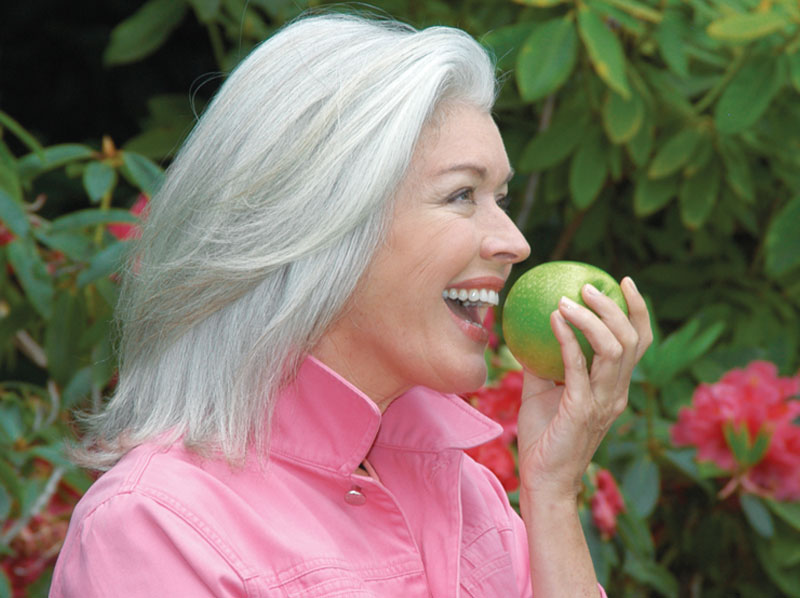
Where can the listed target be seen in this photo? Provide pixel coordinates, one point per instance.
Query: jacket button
(355, 497)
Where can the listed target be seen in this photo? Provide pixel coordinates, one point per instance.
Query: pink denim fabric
(164, 522)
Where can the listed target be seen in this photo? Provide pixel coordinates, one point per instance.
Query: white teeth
(473, 295)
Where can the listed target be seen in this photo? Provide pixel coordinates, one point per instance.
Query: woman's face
(449, 236)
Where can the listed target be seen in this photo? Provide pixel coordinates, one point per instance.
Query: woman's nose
(502, 240)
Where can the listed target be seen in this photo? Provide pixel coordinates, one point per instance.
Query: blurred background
(653, 138)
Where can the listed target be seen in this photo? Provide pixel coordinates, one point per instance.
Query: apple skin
(534, 296)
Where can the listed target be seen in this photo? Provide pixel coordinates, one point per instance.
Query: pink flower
(124, 230)
(501, 403)
(6, 236)
(497, 456)
(755, 400)
(606, 503)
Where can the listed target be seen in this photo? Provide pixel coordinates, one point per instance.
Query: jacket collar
(323, 420)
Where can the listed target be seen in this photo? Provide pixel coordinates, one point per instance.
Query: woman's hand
(561, 426)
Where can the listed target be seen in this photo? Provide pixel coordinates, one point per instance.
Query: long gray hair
(267, 218)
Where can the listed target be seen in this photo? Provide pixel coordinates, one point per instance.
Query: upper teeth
(472, 295)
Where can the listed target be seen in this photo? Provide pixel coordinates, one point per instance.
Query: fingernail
(591, 289)
(633, 284)
(567, 302)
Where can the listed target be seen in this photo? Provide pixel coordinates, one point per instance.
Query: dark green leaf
(55, 156)
(652, 574)
(32, 274)
(13, 216)
(637, 9)
(5, 585)
(105, 263)
(20, 132)
(98, 180)
(622, 118)
(641, 485)
(671, 36)
(505, 43)
(674, 153)
(83, 218)
(206, 10)
(588, 170)
(61, 337)
(787, 511)
(652, 195)
(783, 241)
(748, 95)
(737, 168)
(79, 387)
(605, 50)
(142, 33)
(757, 514)
(554, 144)
(142, 172)
(635, 534)
(547, 58)
(794, 69)
(9, 180)
(698, 195)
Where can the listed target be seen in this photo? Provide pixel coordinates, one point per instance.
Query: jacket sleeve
(519, 540)
(131, 546)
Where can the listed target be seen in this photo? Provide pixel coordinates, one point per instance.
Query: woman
(283, 423)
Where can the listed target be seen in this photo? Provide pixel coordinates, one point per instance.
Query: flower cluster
(758, 407)
(606, 503)
(501, 403)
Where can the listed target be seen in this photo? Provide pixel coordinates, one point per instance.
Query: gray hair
(267, 218)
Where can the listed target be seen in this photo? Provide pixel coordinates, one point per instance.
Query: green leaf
(650, 195)
(13, 216)
(540, 3)
(206, 10)
(671, 38)
(5, 585)
(91, 217)
(547, 58)
(555, 143)
(142, 172)
(737, 437)
(738, 173)
(641, 485)
(505, 43)
(144, 32)
(103, 264)
(99, 179)
(794, 69)
(32, 274)
(61, 337)
(679, 350)
(9, 476)
(650, 573)
(55, 156)
(635, 534)
(605, 50)
(674, 153)
(622, 118)
(641, 144)
(698, 195)
(788, 512)
(745, 27)
(757, 515)
(748, 95)
(782, 242)
(20, 132)
(637, 9)
(588, 170)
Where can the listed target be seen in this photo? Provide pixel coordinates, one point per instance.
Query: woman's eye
(463, 196)
(504, 202)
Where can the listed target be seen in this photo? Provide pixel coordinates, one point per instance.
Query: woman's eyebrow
(477, 168)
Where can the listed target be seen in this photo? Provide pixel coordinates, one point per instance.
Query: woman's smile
(417, 315)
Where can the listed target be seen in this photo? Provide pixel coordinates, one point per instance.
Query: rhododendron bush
(651, 138)
(696, 485)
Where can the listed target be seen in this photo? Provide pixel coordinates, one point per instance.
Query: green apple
(534, 296)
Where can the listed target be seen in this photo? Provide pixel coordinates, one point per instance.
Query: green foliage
(653, 138)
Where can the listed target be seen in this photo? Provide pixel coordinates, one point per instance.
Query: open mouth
(470, 305)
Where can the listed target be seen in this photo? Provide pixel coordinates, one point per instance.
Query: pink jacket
(168, 523)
